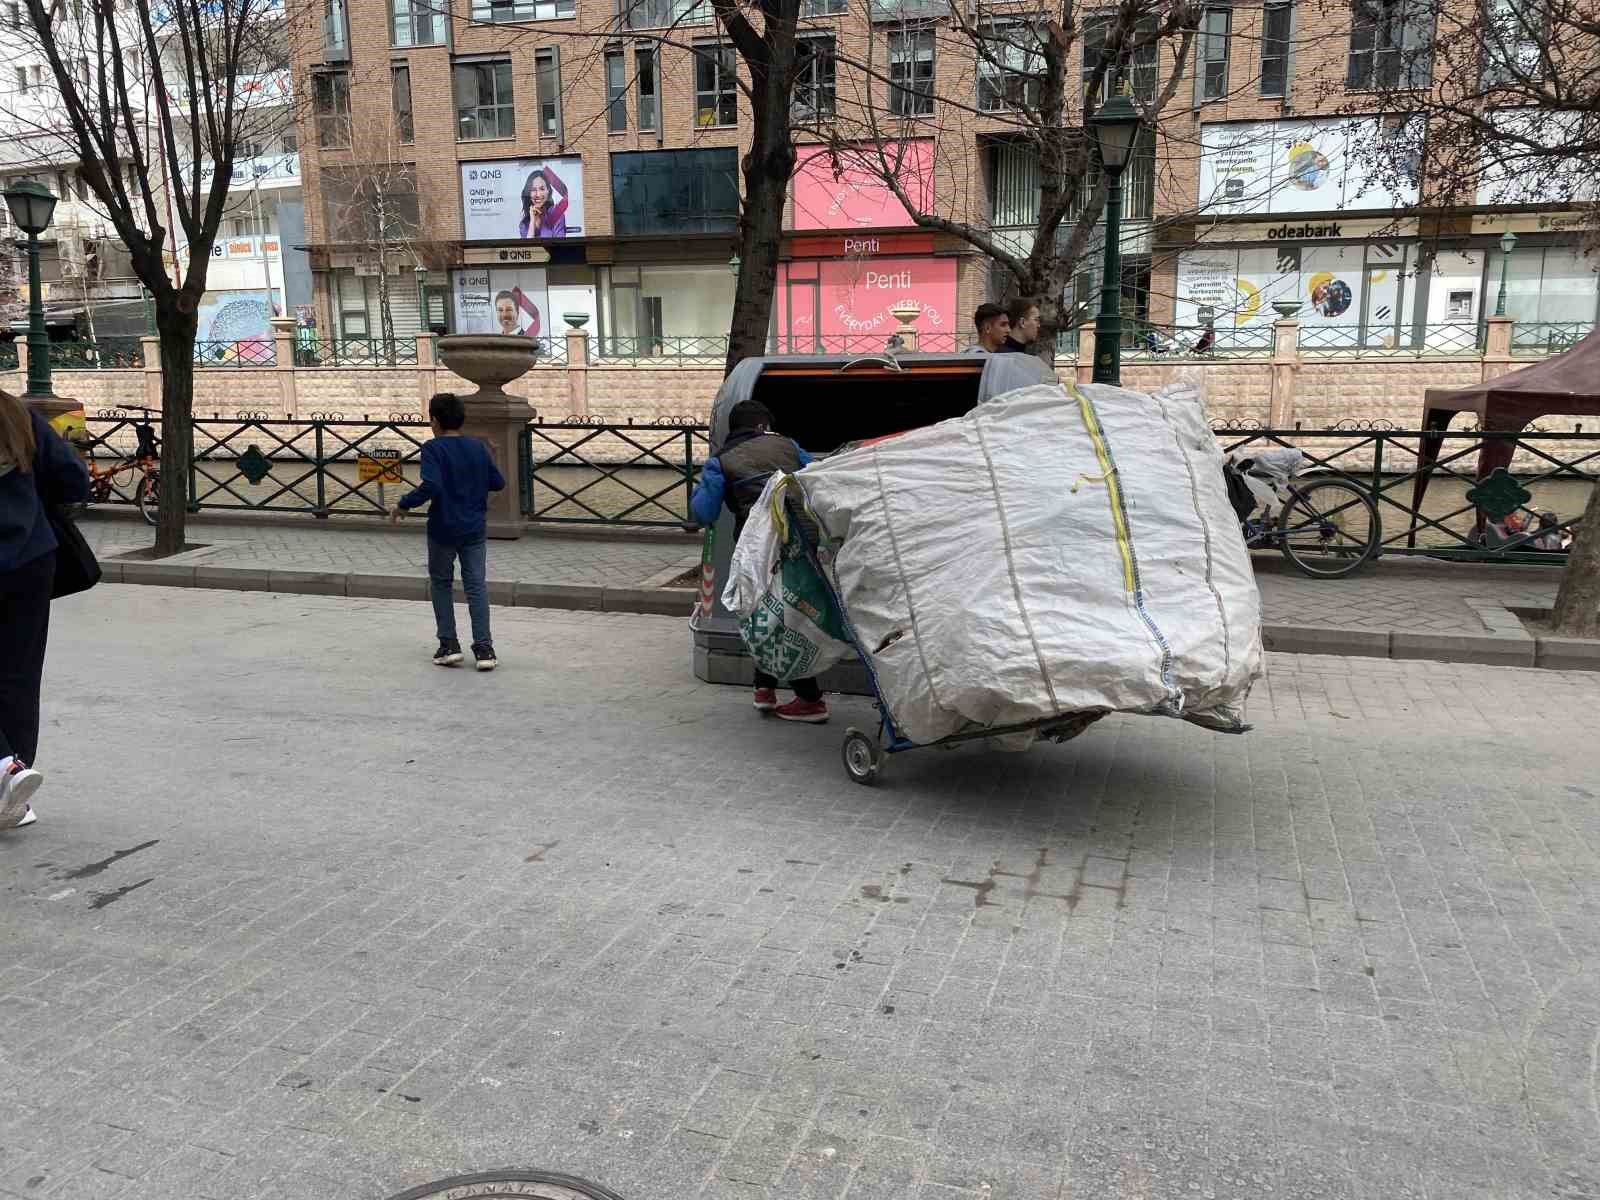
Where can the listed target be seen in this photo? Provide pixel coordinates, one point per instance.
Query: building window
(675, 191)
(1136, 67)
(291, 141)
(911, 73)
(815, 68)
(1391, 44)
(22, 81)
(616, 91)
(331, 103)
(416, 22)
(1513, 41)
(1010, 67)
(484, 107)
(645, 68)
(660, 14)
(400, 86)
(14, 14)
(1211, 53)
(1276, 25)
(522, 10)
(547, 75)
(823, 8)
(335, 31)
(715, 84)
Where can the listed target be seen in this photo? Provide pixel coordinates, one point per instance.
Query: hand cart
(864, 754)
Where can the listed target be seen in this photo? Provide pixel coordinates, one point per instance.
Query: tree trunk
(177, 323)
(767, 168)
(1577, 610)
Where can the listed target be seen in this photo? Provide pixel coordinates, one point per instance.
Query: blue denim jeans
(441, 578)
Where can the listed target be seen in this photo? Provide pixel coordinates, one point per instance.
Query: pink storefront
(856, 255)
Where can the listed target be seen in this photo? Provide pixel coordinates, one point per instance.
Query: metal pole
(261, 245)
(38, 338)
(1500, 304)
(1108, 325)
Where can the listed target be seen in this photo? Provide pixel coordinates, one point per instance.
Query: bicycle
(1326, 526)
(117, 479)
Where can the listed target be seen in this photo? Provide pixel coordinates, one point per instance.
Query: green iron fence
(248, 352)
(1550, 472)
(103, 354)
(582, 473)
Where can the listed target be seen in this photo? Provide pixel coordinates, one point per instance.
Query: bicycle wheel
(1328, 527)
(150, 497)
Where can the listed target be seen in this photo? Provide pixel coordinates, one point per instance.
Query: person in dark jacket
(736, 477)
(1023, 318)
(36, 468)
(458, 473)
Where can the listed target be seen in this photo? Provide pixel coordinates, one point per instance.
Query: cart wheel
(861, 758)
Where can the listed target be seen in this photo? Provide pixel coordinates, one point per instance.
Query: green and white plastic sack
(787, 619)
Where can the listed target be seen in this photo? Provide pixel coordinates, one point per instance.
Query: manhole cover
(502, 1185)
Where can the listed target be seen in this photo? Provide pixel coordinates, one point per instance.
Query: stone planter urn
(492, 360)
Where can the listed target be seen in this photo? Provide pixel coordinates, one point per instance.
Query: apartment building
(540, 158)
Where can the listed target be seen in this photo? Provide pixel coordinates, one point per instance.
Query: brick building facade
(552, 162)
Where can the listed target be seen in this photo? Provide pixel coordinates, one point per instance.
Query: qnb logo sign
(511, 1185)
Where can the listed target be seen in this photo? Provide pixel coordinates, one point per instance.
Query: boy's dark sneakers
(483, 652)
(449, 652)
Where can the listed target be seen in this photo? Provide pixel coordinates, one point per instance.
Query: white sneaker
(16, 787)
(28, 818)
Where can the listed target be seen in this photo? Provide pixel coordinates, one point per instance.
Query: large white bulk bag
(1058, 550)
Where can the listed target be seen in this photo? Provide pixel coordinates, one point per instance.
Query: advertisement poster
(854, 297)
(511, 300)
(236, 324)
(535, 198)
(1294, 166)
(1237, 288)
(856, 197)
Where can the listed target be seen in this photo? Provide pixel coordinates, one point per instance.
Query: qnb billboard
(512, 198)
(845, 189)
(1305, 166)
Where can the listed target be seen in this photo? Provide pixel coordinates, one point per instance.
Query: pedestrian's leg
(474, 572)
(765, 682)
(24, 626)
(806, 689)
(441, 581)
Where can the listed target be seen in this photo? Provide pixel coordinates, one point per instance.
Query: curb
(504, 593)
(1507, 649)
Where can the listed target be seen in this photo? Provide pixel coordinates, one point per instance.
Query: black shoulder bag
(77, 569)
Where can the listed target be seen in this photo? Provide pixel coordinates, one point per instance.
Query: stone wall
(1282, 389)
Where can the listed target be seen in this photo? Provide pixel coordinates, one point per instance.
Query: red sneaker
(766, 699)
(813, 712)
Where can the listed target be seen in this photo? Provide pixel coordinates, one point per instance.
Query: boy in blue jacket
(458, 473)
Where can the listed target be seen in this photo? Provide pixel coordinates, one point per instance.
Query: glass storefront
(657, 306)
(673, 192)
(1544, 283)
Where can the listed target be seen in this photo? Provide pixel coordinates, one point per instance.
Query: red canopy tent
(1567, 384)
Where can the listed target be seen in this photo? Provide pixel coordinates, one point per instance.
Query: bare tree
(1503, 98)
(1038, 78)
(375, 204)
(142, 95)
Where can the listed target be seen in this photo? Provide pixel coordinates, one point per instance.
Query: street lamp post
(1114, 127)
(32, 206)
(1508, 243)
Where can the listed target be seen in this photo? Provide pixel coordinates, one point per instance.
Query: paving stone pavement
(307, 917)
(1390, 594)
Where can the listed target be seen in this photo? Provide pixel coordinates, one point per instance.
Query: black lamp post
(32, 206)
(1114, 127)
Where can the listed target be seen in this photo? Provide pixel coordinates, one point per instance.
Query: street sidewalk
(1393, 608)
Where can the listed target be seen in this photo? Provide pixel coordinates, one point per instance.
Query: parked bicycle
(135, 476)
(1325, 525)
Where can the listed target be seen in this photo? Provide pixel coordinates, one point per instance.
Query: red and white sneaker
(766, 699)
(17, 785)
(812, 712)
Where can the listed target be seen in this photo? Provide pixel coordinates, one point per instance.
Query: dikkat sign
(516, 198)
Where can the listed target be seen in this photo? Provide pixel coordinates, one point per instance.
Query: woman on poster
(544, 215)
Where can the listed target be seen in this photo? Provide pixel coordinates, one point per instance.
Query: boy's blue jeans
(474, 557)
